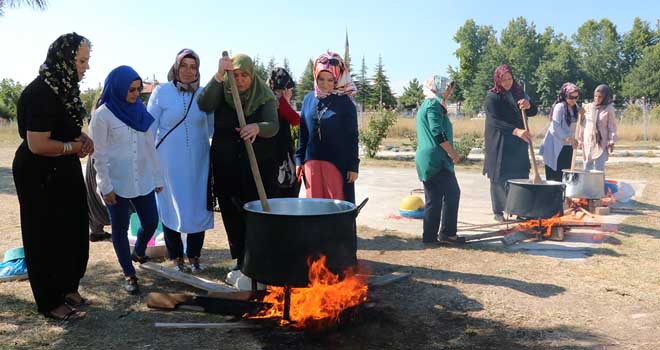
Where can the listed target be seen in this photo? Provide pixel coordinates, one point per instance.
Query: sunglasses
(572, 97)
(132, 90)
(331, 61)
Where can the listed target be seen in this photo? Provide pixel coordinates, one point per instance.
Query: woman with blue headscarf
(127, 166)
(435, 158)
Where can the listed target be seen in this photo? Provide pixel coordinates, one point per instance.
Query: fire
(544, 223)
(321, 303)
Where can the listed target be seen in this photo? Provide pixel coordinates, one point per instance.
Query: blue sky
(415, 38)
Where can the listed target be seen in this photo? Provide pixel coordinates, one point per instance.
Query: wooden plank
(379, 281)
(471, 238)
(222, 325)
(14, 278)
(185, 278)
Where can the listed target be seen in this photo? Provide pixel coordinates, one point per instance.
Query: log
(513, 238)
(602, 211)
(185, 278)
(222, 325)
(477, 237)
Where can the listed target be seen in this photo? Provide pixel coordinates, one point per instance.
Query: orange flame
(548, 224)
(321, 303)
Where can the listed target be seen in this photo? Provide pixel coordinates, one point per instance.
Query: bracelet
(66, 147)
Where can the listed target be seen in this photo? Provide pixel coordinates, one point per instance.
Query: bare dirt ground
(471, 297)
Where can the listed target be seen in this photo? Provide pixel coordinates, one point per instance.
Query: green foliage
(89, 98)
(295, 132)
(522, 48)
(557, 66)
(598, 47)
(644, 78)
(306, 83)
(466, 143)
(381, 93)
(37, 4)
(260, 69)
(413, 94)
(10, 91)
(363, 85)
(634, 42)
(376, 130)
(5, 113)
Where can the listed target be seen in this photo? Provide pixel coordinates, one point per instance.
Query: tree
(38, 4)
(472, 40)
(520, 44)
(644, 78)
(599, 47)
(260, 69)
(413, 94)
(381, 94)
(89, 98)
(634, 42)
(306, 83)
(10, 91)
(491, 58)
(270, 66)
(285, 65)
(558, 65)
(363, 86)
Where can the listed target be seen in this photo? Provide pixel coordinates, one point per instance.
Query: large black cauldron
(279, 243)
(534, 200)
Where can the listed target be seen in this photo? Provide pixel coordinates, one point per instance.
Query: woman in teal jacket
(435, 158)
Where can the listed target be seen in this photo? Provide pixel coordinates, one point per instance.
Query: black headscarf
(280, 79)
(59, 72)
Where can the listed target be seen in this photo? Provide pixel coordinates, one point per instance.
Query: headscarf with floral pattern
(60, 74)
(332, 63)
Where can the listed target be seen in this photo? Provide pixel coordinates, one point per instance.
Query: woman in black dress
(505, 136)
(49, 179)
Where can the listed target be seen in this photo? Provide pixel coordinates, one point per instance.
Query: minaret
(347, 57)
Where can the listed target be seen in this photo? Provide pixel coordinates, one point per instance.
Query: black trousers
(54, 224)
(442, 195)
(174, 244)
(563, 162)
(234, 186)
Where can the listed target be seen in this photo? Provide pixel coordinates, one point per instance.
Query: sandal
(71, 315)
(72, 302)
(454, 239)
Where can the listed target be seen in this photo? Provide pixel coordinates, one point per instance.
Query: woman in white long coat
(183, 148)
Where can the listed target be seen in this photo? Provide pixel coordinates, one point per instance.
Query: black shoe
(99, 236)
(131, 285)
(139, 259)
(454, 239)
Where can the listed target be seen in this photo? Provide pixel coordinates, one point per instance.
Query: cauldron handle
(359, 207)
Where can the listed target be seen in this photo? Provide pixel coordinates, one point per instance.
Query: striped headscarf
(332, 63)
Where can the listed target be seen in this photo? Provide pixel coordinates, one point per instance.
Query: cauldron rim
(255, 207)
(529, 182)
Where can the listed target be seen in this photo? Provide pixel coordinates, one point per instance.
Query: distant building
(147, 89)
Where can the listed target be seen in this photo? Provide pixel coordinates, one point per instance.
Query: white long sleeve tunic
(184, 155)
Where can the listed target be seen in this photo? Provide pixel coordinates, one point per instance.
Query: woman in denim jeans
(127, 167)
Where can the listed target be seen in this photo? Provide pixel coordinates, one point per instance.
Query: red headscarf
(332, 63)
(497, 88)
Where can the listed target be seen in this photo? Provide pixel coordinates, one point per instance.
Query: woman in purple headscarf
(597, 133)
(505, 137)
(559, 141)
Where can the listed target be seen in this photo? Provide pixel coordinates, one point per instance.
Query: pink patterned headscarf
(497, 88)
(567, 89)
(332, 63)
